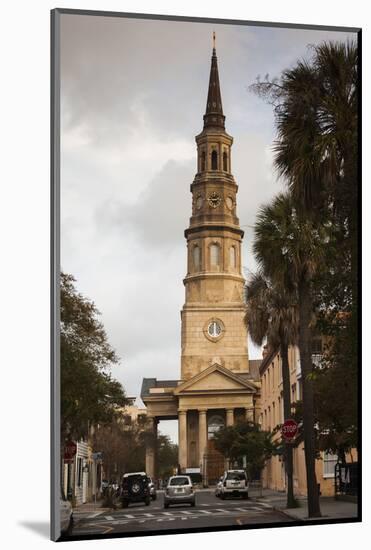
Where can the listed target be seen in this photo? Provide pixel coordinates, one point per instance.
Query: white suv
(234, 483)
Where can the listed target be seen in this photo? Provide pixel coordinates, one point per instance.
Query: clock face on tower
(214, 200)
(214, 329)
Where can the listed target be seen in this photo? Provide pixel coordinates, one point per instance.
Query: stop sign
(70, 449)
(289, 429)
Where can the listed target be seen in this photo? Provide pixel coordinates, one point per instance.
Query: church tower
(218, 384)
(213, 330)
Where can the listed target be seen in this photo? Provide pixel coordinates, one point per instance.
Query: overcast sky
(133, 93)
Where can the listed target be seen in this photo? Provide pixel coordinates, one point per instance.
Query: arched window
(214, 160)
(215, 423)
(214, 254)
(225, 161)
(232, 256)
(196, 257)
(203, 161)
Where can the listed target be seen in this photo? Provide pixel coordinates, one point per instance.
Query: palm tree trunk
(291, 502)
(305, 309)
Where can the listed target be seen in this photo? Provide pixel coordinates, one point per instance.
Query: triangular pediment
(215, 378)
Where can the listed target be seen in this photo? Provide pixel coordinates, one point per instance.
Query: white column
(202, 434)
(151, 449)
(249, 414)
(182, 439)
(230, 417)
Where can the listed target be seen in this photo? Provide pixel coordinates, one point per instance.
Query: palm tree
(316, 146)
(289, 249)
(316, 108)
(272, 314)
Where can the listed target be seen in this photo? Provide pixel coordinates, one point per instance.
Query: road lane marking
(94, 515)
(109, 518)
(129, 516)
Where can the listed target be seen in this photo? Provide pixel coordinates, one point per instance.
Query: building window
(79, 472)
(273, 414)
(203, 161)
(127, 419)
(232, 256)
(196, 257)
(214, 160)
(142, 418)
(268, 381)
(269, 418)
(214, 254)
(225, 161)
(293, 393)
(316, 346)
(299, 390)
(329, 461)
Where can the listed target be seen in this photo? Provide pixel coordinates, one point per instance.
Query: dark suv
(135, 488)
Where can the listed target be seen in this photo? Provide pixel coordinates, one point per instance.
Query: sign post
(98, 456)
(289, 430)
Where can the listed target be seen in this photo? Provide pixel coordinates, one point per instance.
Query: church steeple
(213, 328)
(213, 117)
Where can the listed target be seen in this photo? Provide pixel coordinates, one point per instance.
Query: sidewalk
(330, 508)
(91, 507)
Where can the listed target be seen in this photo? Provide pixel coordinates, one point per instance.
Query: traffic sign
(97, 456)
(289, 430)
(70, 450)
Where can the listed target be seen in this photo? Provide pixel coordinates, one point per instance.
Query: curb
(277, 509)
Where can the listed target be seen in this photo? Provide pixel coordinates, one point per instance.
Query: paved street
(208, 512)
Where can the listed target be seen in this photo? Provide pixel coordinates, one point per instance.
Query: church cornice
(214, 227)
(213, 177)
(214, 275)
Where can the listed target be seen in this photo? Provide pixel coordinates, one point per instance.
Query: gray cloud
(133, 96)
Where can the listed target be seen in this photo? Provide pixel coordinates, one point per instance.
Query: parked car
(234, 483)
(135, 488)
(218, 488)
(179, 490)
(66, 515)
(152, 489)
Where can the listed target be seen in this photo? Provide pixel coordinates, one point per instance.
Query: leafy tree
(245, 439)
(123, 448)
(272, 314)
(89, 395)
(167, 456)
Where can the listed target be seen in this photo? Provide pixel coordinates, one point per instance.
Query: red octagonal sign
(289, 429)
(70, 449)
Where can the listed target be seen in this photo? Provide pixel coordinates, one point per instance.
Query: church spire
(214, 110)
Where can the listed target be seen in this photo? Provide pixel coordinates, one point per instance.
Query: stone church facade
(218, 384)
